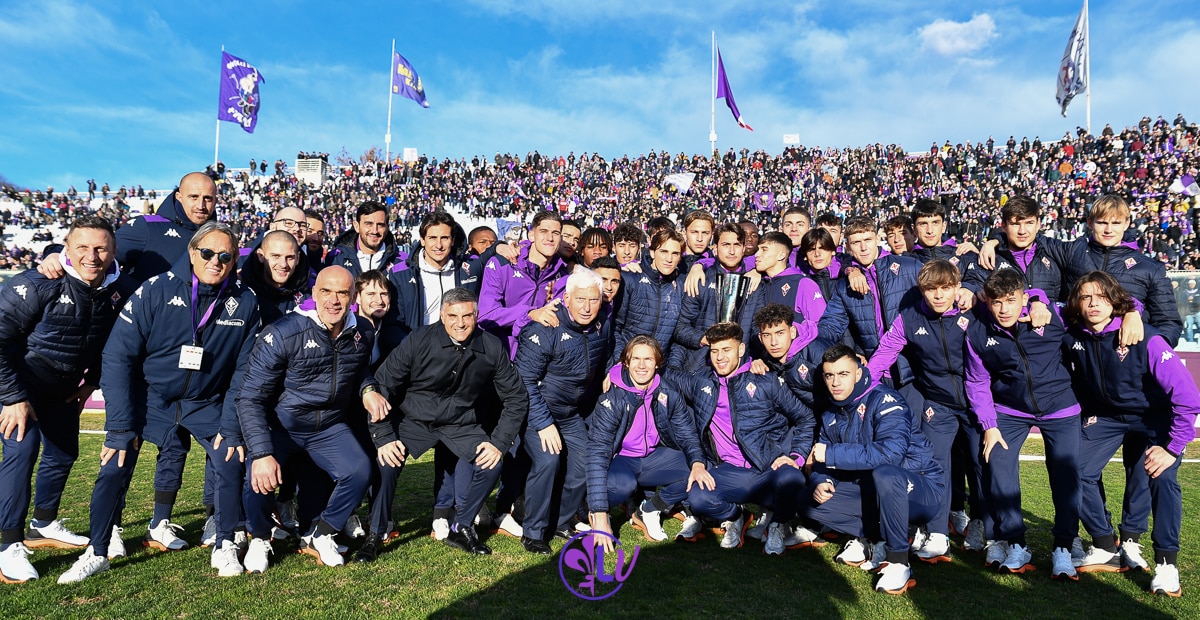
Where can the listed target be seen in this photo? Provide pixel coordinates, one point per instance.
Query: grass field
(417, 577)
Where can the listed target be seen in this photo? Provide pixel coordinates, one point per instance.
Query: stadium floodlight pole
(1087, 76)
(712, 123)
(217, 146)
(387, 137)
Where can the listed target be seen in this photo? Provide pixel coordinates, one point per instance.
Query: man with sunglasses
(170, 372)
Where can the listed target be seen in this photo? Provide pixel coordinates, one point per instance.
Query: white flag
(1072, 74)
(681, 180)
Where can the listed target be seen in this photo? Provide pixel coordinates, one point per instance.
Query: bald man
(304, 372)
(278, 273)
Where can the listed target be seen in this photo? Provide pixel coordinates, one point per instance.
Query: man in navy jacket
(51, 336)
(304, 373)
(169, 369)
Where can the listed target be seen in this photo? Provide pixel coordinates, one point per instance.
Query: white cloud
(950, 38)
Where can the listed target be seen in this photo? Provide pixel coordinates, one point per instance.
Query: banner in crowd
(724, 92)
(503, 227)
(682, 181)
(764, 201)
(239, 92)
(406, 82)
(1073, 72)
(1185, 185)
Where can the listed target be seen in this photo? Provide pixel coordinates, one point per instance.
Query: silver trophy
(731, 294)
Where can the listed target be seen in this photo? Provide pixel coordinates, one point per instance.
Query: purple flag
(764, 201)
(723, 91)
(239, 92)
(406, 82)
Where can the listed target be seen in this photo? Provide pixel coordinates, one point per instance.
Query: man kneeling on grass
(873, 471)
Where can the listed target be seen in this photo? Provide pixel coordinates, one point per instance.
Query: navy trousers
(943, 426)
(548, 502)
(1101, 437)
(1061, 437)
(56, 434)
(663, 467)
(777, 489)
(879, 505)
(335, 451)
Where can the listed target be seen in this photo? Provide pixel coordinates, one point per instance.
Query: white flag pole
(712, 123)
(387, 137)
(217, 146)
(1087, 76)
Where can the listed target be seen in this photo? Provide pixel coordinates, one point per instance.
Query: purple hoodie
(643, 434)
(510, 291)
(722, 424)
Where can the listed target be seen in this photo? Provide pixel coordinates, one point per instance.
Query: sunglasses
(223, 257)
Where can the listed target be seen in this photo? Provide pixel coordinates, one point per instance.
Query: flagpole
(217, 145)
(1087, 45)
(712, 100)
(387, 137)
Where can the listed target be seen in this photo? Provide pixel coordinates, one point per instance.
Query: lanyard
(197, 327)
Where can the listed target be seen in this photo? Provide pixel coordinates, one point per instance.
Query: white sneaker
(208, 537)
(1061, 566)
(974, 538)
(691, 530)
(354, 528)
(278, 533)
(15, 566)
(801, 537)
(959, 522)
(1166, 581)
(1017, 560)
(322, 547)
(650, 523)
(441, 529)
(54, 535)
(285, 513)
(241, 539)
(760, 525)
(918, 540)
(936, 549)
(853, 554)
(774, 543)
(894, 578)
(87, 565)
(994, 553)
(508, 526)
(1131, 555)
(878, 552)
(116, 545)
(164, 538)
(225, 559)
(258, 555)
(1100, 561)
(1077, 551)
(733, 531)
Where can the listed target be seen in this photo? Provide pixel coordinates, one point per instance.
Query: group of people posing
(697, 371)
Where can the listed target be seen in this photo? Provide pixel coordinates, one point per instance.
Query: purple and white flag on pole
(239, 92)
(724, 92)
(764, 201)
(1073, 73)
(406, 82)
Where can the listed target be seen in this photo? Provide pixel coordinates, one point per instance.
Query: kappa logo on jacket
(910, 486)
(129, 306)
(606, 403)
(991, 342)
(818, 295)
(1167, 355)
(888, 398)
(21, 290)
(565, 336)
(921, 331)
(312, 344)
(707, 390)
(534, 339)
(171, 233)
(177, 301)
(269, 339)
(65, 299)
(1077, 346)
(645, 280)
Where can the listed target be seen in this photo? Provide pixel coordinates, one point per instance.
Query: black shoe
(535, 545)
(369, 549)
(466, 539)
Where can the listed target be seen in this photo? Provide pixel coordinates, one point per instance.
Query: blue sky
(126, 90)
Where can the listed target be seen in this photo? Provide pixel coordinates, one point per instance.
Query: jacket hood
(172, 210)
(349, 239)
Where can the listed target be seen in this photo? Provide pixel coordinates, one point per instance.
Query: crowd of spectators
(1138, 162)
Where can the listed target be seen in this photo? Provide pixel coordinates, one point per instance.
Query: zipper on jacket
(949, 367)
(1099, 368)
(1028, 377)
(334, 381)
